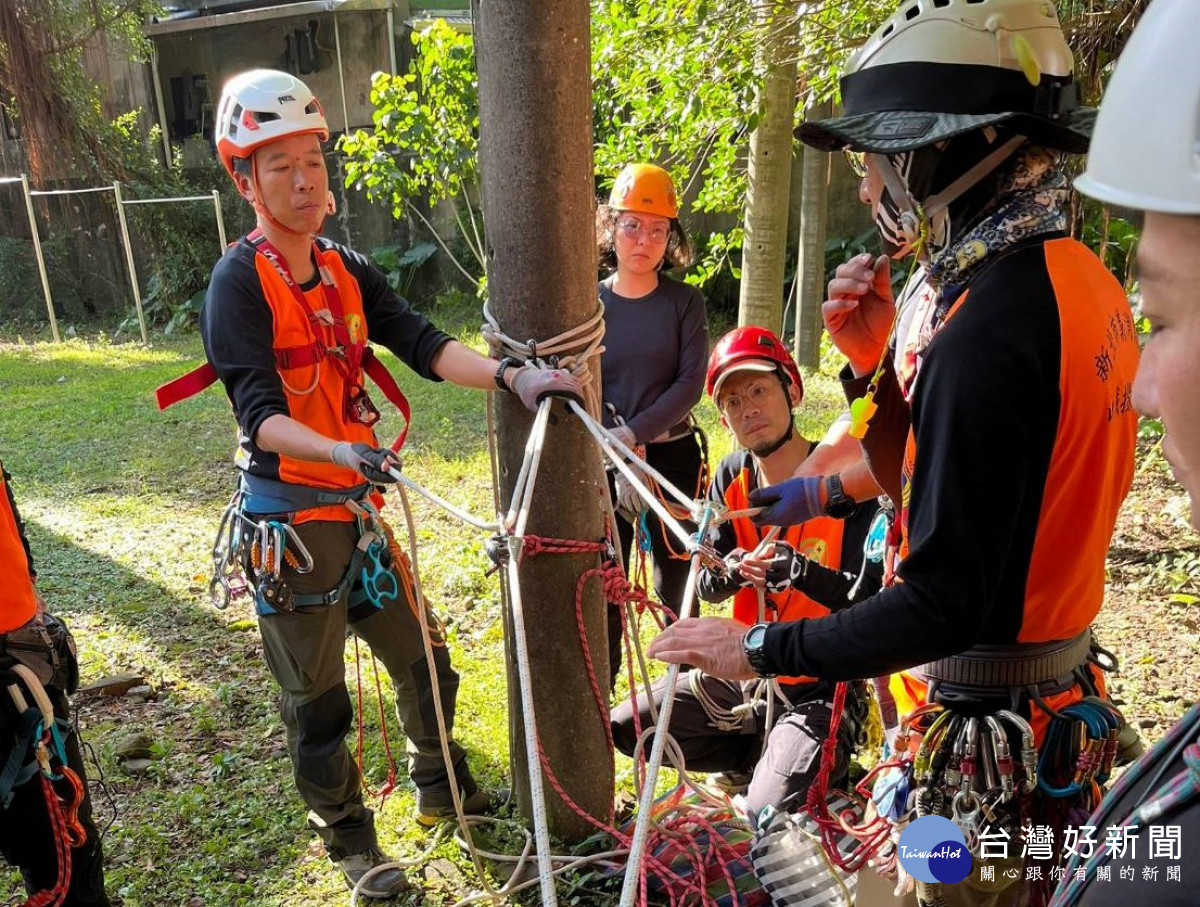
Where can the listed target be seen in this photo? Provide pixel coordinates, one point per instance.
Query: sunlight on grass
(121, 502)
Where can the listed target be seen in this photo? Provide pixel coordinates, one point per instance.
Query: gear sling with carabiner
(257, 536)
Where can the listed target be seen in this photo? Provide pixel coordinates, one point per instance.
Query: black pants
(304, 650)
(679, 462)
(26, 835)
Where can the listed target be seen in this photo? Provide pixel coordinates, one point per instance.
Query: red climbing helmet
(749, 349)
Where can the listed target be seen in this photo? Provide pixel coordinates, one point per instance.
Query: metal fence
(119, 203)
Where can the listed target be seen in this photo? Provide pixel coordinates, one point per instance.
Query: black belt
(1022, 665)
(262, 495)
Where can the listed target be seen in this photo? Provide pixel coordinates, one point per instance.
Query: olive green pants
(305, 652)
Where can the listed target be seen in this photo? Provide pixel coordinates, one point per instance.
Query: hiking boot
(387, 883)
(481, 803)
(732, 783)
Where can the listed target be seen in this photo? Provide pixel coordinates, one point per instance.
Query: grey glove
(629, 503)
(787, 570)
(532, 384)
(370, 462)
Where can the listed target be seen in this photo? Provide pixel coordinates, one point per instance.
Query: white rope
(637, 845)
(524, 673)
(632, 457)
(442, 502)
(573, 349)
(70, 191)
(602, 437)
(431, 666)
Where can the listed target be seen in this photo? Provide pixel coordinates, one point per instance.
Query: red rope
(871, 835)
(536, 544)
(68, 833)
(677, 836)
(390, 784)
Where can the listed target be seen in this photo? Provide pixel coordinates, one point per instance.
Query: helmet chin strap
(261, 209)
(915, 218)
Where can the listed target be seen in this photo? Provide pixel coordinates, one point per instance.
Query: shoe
(1129, 745)
(732, 783)
(387, 883)
(481, 803)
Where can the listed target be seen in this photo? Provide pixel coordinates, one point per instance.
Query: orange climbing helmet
(644, 189)
(261, 106)
(749, 349)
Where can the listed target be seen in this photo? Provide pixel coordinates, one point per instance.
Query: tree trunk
(764, 251)
(535, 157)
(810, 254)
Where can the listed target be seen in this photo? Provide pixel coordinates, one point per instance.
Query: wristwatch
(752, 645)
(506, 363)
(838, 504)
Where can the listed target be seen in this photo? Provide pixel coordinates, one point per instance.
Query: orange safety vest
(321, 354)
(19, 603)
(1064, 592)
(818, 539)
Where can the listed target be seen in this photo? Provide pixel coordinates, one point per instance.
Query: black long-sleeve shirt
(655, 353)
(1022, 451)
(241, 335)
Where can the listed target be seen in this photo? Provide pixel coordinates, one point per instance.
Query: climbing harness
(39, 753)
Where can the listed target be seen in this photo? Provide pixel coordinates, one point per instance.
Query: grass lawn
(122, 501)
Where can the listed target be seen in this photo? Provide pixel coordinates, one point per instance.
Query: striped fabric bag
(792, 866)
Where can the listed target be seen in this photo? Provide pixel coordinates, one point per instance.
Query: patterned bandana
(1031, 201)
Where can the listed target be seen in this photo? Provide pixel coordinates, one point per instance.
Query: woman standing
(656, 349)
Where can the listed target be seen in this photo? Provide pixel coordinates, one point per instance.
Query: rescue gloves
(372, 463)
(787, 570)
(788, 503)
(532, 384)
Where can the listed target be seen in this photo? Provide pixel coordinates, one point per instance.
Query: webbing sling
(21, 764)
(204, 376)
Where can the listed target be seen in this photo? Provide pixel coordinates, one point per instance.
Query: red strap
(300, 356)
(383, 379)
(186, 385)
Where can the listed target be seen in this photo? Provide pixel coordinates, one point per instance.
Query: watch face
(754, 636)
(752, 645)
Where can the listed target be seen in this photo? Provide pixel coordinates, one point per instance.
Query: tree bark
(764, 250)
(535, 156)
(810, 254)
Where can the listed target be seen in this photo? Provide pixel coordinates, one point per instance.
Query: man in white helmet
(285, 326)
(1004, 428)
(1146, 156)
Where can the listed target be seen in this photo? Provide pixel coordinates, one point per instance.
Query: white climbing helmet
(1146, 150)
(938, 68)
(261, 106)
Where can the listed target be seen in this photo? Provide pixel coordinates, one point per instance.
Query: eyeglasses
(857, 161)
(755, 395)
(634, 229)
